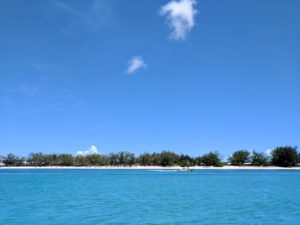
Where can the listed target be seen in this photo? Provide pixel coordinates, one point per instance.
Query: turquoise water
(64, 197)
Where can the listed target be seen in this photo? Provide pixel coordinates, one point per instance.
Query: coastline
(154, 167)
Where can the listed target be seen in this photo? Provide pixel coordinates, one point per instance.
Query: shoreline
(154, 167)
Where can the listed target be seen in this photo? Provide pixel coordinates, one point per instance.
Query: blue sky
(135, 75)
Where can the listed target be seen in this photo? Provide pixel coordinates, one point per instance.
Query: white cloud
(180, 17)
(92, 150)
(268, 152)
(136, 63)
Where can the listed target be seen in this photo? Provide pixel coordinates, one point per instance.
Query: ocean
(95, 197)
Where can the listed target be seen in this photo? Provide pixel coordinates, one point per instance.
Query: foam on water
(166, 171)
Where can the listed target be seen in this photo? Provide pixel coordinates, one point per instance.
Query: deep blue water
(64, 197)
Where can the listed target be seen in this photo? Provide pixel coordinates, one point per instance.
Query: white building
(25, 163)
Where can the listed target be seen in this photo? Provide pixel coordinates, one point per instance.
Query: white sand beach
(157, 167)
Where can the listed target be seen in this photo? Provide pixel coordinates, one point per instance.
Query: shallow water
(64, 197)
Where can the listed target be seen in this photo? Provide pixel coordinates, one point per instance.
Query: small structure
(247, 164)
(25, 163)
(2, 164)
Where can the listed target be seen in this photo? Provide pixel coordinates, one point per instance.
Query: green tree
(129, 158)
(113, 159)
(93, 159)
(65, 160)
(103, 160)
(168, 158)
(12, 160)
(52, 160)
(125, 158)
(259, 159)
(156, 159)
(39, 159)
(240, 157)
(97, 160)
(81, 160)
(145, 159)
(211, 159)
(185, 160)
(285, 156)
(198, 161)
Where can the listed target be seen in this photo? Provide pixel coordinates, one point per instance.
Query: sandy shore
(157, 168)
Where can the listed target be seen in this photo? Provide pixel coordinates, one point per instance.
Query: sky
(144, 76)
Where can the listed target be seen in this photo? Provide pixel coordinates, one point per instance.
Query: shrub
(285, 156)
(259, 159)
(211, 159)
(238, 158)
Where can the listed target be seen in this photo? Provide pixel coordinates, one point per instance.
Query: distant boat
(186, 169)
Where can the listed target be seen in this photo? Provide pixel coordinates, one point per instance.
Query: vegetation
(239, 158)
(168, 158)
(281, 156)
(146, 159)
(91, 160)
(259, 159)
(12, 160)
(211, 159)
(186, 161)
(285, 156)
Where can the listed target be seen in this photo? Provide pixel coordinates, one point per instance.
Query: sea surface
(71, 197)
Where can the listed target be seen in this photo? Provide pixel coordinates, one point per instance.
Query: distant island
(283, 156)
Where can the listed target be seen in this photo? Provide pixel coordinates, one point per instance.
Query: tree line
(284, 156)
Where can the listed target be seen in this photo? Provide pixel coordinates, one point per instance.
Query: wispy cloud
(91, 151)
(68, 8)
(27, 89)
(65, 100)
(180, 16)
(88, 17)
(45, 94)
(136, 63)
